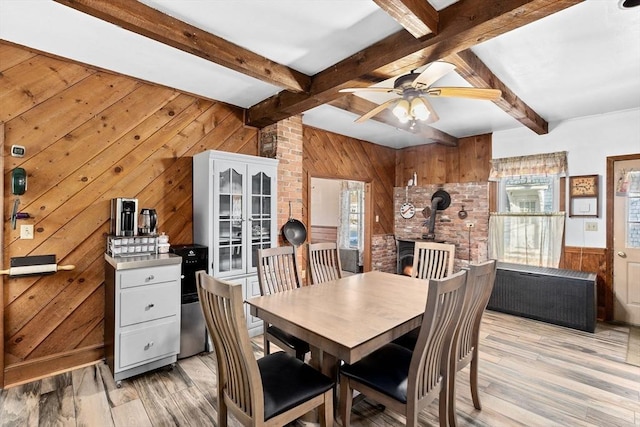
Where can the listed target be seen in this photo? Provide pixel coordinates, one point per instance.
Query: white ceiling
(582, 61)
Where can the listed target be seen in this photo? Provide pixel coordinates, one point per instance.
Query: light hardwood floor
(531, 374)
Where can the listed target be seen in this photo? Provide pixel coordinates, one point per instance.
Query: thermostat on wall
(18, 151)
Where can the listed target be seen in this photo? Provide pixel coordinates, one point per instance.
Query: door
(626, 241)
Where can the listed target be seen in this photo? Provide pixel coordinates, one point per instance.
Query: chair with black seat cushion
(272, 391)
(480, 280)
(431, 260)
(277, 272)
(407, 381)
(324, 262)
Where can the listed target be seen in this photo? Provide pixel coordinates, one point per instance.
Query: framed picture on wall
(584, 196)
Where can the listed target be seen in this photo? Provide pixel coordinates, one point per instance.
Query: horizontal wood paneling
(324, 233)
(90, 136)
(590, 260)
(470, 161)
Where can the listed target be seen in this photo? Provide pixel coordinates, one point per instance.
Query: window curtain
(345, 211)
(343, 220)
(537, 164)
(532, 239)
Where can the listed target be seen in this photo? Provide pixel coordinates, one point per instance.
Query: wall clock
(584, 195)
(407, 210)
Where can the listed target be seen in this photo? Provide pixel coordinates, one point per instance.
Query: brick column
(283, 141)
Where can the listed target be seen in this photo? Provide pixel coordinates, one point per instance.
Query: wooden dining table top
(350, 317)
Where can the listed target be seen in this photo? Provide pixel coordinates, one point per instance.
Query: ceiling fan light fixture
(401, 111)
(419, 109)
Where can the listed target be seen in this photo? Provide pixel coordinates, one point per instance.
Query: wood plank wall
(329, 155)
(440, 164)
(90, 136)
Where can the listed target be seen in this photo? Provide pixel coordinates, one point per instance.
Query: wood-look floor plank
(204, 378)
(57, 402)
(19, 406)
(91, 405)
(117, 396)
(161, 408)
(130, 414)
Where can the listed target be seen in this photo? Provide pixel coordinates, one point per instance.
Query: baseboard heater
(562, 297)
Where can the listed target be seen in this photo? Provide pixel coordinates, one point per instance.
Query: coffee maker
(147, 222)
(124, 217)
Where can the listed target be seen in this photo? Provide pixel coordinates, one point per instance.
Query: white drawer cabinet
(142, 313)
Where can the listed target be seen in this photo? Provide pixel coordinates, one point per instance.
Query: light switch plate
(26, 231)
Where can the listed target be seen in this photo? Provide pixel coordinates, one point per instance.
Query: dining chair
(324, 262)
(433, 260)
(271, 391)
(480, 280)
(277, 272)
(407, 381)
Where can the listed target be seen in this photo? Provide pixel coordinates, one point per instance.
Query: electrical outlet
(590, 226)
(470, 225)
(26, 231)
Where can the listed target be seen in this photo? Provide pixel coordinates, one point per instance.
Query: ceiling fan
(415, 88)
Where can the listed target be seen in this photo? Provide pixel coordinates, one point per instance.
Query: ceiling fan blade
(367, 89)
(465, 92)
(376, 110)
(433, 73)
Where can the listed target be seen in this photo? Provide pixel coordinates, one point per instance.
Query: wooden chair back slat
(277, 270)
(433, 260)
(324, 262)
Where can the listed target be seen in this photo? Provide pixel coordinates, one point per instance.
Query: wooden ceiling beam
(474, 71)
(418, 17)
(462, 25)
(144, 20)
(356, 105)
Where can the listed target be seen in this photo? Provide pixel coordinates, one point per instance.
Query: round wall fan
(415, 88)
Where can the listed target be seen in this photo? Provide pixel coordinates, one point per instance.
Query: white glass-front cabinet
(234, 215)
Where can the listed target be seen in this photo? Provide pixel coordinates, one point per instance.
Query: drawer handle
(149, 345)
(150, 278)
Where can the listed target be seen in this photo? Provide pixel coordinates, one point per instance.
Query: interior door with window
(626, 242)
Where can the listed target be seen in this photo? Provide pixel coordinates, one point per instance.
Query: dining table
(348, 318)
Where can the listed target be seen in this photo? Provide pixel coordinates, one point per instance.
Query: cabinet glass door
(230, 222)
(261, 214)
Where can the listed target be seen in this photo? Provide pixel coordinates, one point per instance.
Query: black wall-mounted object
(18, 181)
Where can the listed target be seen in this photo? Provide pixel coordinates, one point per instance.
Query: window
(527, 229)
(531, 193)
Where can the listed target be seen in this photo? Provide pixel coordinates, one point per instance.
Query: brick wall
(474, 196)
(383, 253)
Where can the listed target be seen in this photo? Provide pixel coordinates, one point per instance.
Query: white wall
(588, 142)
(325, 202)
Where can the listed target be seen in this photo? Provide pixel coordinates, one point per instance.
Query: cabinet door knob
(150, 306)
(150, 278)
(149, 345)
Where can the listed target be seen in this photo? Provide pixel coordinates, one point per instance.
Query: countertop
(142, 261)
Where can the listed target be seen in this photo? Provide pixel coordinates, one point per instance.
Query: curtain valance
(536, 164)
